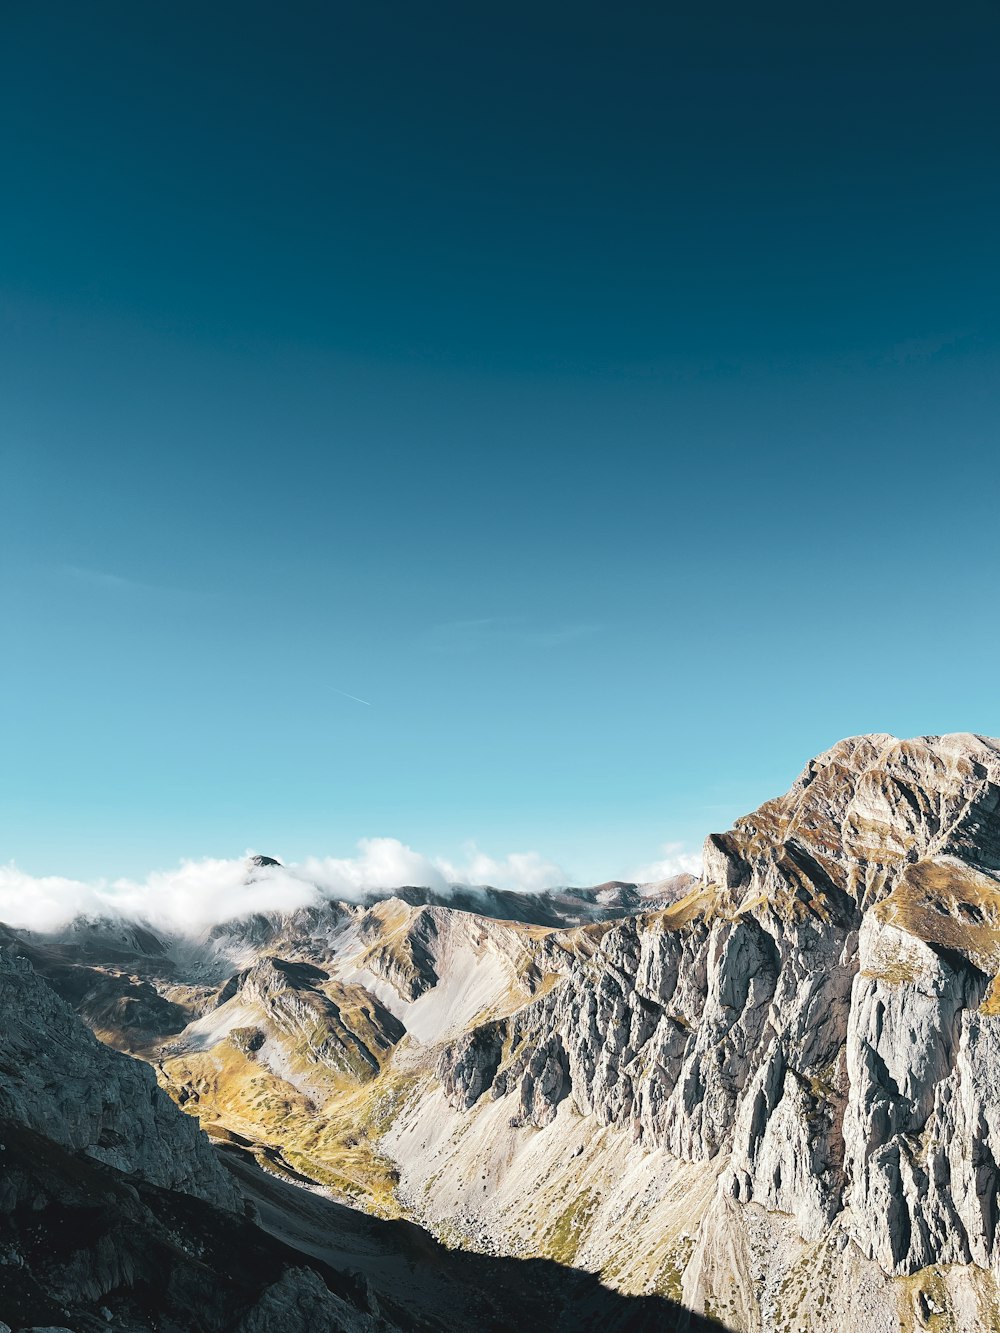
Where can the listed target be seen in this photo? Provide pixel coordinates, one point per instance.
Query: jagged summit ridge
(773, 1091)
(815, 1023)
(865, 809)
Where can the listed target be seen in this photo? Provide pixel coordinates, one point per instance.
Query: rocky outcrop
(783, 1077)
(58, 1079)
(300, 1299)
(815, 1019)
(315, 1018)
(114, 1208)
(468, 1066)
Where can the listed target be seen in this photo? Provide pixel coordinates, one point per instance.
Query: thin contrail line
(366, 703)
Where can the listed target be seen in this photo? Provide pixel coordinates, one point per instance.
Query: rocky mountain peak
(815, 1027)
(773, 1092)
(859, 815)
(261, 862)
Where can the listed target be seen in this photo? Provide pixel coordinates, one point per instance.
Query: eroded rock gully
(816, 1019)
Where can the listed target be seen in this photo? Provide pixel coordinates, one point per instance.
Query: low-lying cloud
(198, 894)
(675, 861)
(187, 899)
(524, 872)
(381, 863)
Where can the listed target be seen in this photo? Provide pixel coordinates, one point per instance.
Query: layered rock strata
(816, 1023)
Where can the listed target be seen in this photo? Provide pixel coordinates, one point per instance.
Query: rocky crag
(772, 1094)
(117, 1212)
(114, 1208)
(815, 1027)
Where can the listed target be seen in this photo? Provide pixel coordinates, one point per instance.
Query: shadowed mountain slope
(116, 1211)
(773, 1098)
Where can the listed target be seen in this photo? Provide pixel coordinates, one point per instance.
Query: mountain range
(765, 1099)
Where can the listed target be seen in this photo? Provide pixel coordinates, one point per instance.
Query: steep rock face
(815, 1020)
(114, 1208)
(56, 1078)
(920, 1163)
(776, 1095)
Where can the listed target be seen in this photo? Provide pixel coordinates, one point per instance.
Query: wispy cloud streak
(366, 702)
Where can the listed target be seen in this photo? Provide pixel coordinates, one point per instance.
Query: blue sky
(608, 398)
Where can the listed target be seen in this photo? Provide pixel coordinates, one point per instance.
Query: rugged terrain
(116, 1211)
(772, 1094)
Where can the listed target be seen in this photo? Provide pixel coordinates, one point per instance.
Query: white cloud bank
(524, 872)
(198, 894)
(675, 861)
(187, 899)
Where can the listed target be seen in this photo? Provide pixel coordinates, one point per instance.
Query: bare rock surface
(814, 1024)
(58, 1079)
(115, 1211)
(772, 1093)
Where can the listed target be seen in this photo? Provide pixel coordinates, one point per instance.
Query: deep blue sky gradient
(608, 394)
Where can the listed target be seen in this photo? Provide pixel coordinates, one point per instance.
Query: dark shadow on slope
(81, 1241)
(112, 1002)
(422, 1285)
(82, 1245)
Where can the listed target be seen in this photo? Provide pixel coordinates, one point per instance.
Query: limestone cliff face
(816, 1019)
(114, 1208)
(776, 1096)
(57, 1079)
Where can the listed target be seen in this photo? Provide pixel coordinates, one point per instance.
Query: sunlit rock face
(816, 1020)
(772, 1093)
(114, 1206)
(58, 1080)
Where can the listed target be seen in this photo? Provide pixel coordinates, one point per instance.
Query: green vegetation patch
(567, 1235)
